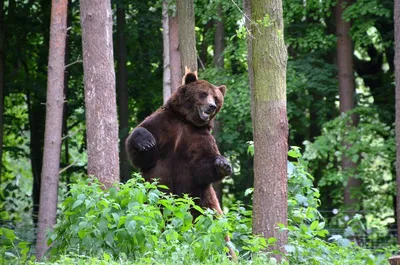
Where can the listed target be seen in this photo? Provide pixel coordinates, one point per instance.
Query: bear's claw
(145, 146)
(143, 139)
(224, 168)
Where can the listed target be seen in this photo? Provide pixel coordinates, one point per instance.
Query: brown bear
(175, 144)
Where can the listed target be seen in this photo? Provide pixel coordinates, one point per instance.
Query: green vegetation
(137, 223)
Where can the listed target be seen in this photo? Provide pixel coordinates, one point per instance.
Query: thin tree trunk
(65, 109)
(100, 98)
(36, 114)
(53, 129)
(36, 110)
(397, 75)
(219, 44)
(203, 53)
(122, 90)
(174, 53)
(219, 47)
(2, 64)
(187, 37)
(167, 82)
(346, 92)
(268, 57)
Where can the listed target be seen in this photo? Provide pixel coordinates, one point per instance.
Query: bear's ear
(222, 89)
(189, 76)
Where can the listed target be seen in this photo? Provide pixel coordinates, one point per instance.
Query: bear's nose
(212, 107)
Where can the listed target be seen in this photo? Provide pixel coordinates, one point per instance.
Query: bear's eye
(216, 99)
(203, 94)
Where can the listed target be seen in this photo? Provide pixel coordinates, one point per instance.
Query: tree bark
(65, 108)
(53, 129)
(122, 90)
(36, 115)
(187, 37)
(2, 64)
(267, 71)
(35, 100)
(346, 92)
(395, 260)
(100, 98)
(175, 55)
(167, 82)
(219, 44)
(218, 186)
(397, 77)
(219, 47)
(203, 53)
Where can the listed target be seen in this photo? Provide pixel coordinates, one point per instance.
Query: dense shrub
(136, 223)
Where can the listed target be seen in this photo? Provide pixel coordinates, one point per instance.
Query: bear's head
(197, 101)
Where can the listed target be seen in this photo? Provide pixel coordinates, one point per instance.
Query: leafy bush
(308, 241)
(373, 150)
(137, 221)
(12, 248)
(106, 260)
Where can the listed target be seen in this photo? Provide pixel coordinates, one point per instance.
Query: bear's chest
(190, 143)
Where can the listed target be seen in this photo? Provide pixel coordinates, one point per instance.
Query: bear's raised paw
(224, 168)
(143, 140)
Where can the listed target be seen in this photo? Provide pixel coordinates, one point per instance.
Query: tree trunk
(99, 82)
(218, 186)
(53, 129)
(36, 114)
(219, 47)
(122, 90)
(267, 71)
(219, 44)
(187, 37)
(397, 75)
(203, 53)
(167, 82)
(36, 99)
(346, 92)
(395, 260)
(65, 108)
(174, 53)
(2, 64)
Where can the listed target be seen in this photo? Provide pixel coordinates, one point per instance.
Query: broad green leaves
(138, 221)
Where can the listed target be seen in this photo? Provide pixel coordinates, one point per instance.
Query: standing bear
(175, 144)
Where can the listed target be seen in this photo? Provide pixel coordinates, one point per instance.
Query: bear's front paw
(224, 168)
(143, 139)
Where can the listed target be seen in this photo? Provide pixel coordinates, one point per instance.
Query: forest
(310, 125)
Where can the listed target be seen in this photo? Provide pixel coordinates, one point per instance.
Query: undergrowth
(137, 223)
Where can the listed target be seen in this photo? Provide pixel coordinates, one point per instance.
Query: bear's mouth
(205, 114)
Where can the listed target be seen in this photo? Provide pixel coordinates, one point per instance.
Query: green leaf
(106, 256)
(248, 191)
(9, 234)
(82, 234)
(10, 254)
(271, 240)
(294, 154)
(198, 208)
(76, 204)
(314, 225)
(121, 221)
